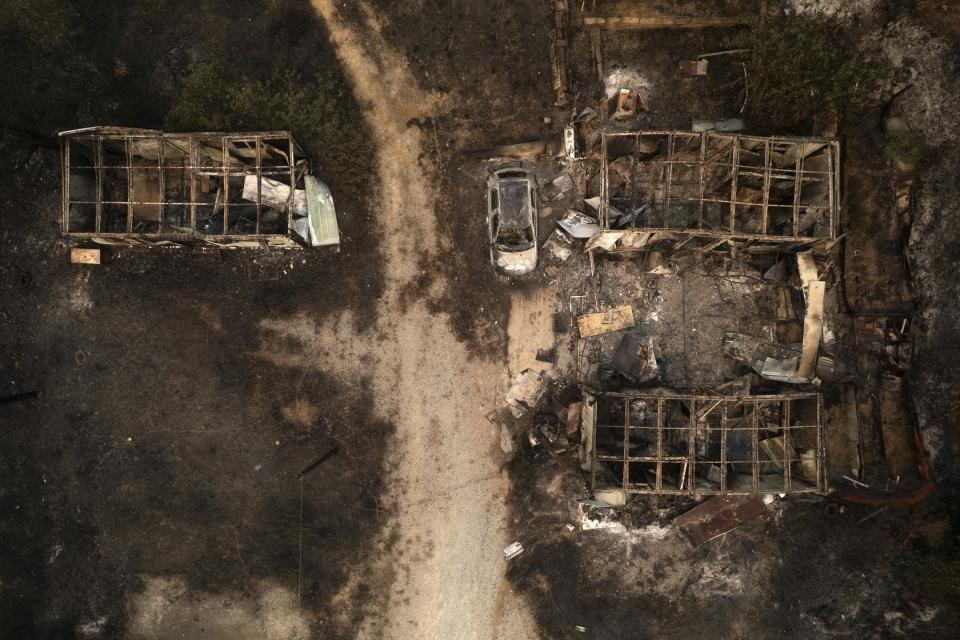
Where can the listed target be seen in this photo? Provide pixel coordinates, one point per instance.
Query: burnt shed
(142, 186)
(649, 442)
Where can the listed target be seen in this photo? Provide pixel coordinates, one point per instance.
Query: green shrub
(49, 74)
(316, 108)
(906, 147)
(48, 25)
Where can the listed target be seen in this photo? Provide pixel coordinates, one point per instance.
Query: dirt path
(446, 490)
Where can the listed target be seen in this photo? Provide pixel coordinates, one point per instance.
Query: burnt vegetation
(801, 70)
(247, 65)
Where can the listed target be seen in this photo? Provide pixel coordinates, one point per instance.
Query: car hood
(515, 263)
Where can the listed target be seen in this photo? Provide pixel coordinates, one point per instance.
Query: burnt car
(512, 219)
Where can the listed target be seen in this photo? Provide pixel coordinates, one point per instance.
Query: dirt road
(442, 550)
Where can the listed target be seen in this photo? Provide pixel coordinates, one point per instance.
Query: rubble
(719, 359)
(635, 359)
(715, 190)
(558, 188)
(787, 362)
(527, 392)
(594, 517)
(573, 418)
(627, 103)
(661, 442)
(559, 246)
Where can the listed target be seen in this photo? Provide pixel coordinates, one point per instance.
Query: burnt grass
(496, 74)
(151, 448)
(823, 567)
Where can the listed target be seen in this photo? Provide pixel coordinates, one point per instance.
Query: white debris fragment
(526, 392)
(93, 628)
(624, 79)
(653, 532)
(593, 519)
(512, 550)
(559, 245)
(840, 9)
(579, 225)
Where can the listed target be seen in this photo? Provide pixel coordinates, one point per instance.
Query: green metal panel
(321, 213)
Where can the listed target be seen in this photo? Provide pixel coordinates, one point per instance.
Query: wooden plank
(84, 256)
(723, 449)
(558, 53)
(626, 443)
(735, 163)
(596, 46)
(767, 153)
(659, 484)
(131, 192)
(812, 329)
(98, 176)
(595, 324)
(667, 22)
(807, 266)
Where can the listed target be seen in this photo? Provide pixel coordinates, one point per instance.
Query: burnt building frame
(715, 189)
(121, 183)
(720, 443)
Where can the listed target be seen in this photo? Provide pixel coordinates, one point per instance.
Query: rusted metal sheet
(717, 516)
(694, 67)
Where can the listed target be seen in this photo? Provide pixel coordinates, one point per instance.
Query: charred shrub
(801, 67)
(317, 107)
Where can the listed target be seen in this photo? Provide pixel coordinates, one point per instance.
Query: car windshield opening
(515, 239)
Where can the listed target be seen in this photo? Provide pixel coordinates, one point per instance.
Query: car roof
(514, 203)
